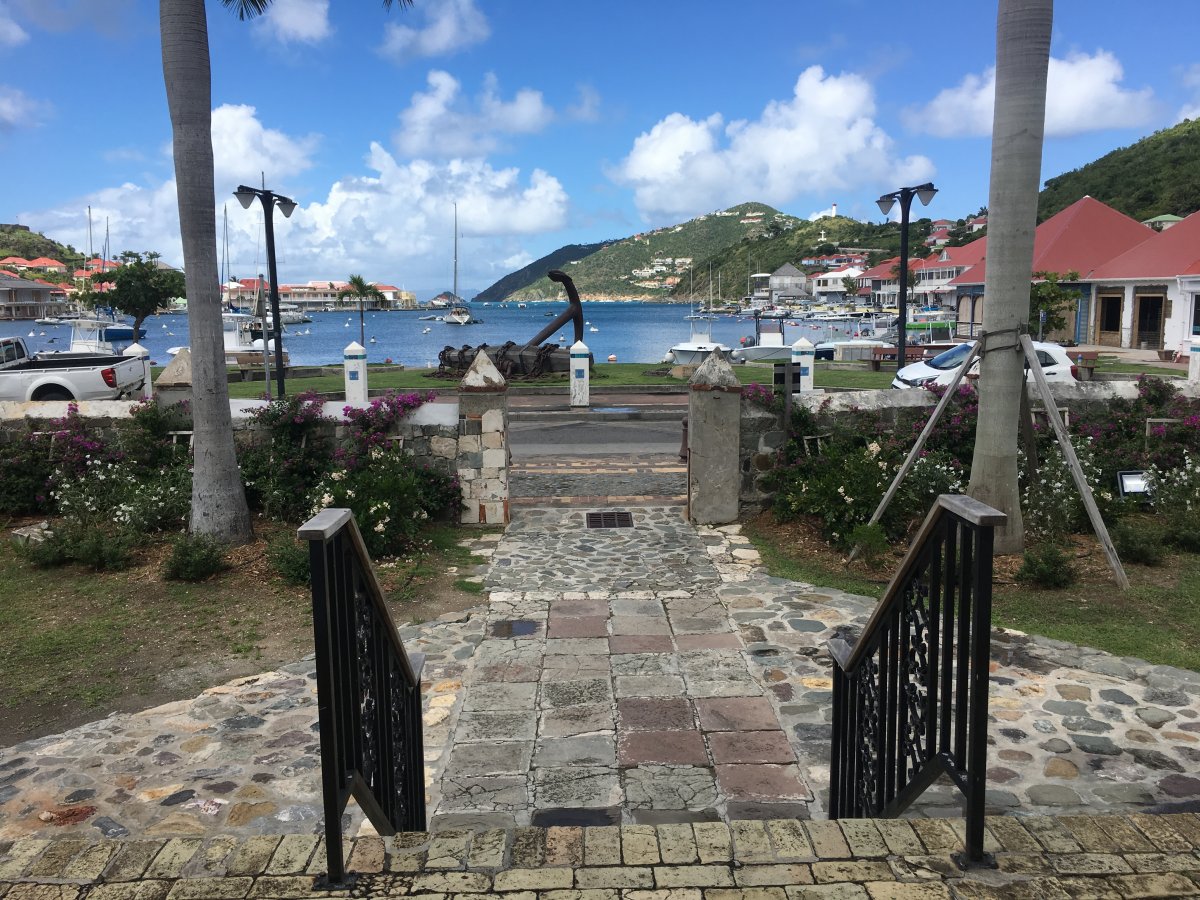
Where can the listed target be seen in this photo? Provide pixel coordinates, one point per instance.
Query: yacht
(459, 315)
(697, 347)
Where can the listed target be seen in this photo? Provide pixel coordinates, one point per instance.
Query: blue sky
(547, 122)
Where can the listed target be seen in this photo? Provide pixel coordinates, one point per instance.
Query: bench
(880, 355)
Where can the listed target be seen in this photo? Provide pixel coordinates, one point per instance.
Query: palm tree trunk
(1022, 58)
(218, 498)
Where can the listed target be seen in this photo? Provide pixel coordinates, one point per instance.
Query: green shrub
(391, 496)
(289, 558)
(872, 542)
(1141, 544)
(100, 548)
(1183, 530)
(1047, 566)
(193, 558)
(146, 439)
(279, 471)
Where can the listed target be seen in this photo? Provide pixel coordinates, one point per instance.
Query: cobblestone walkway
(639, 675)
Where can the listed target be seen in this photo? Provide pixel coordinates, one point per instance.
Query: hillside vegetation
(537, 269)
(1159, 174)
(31, 245)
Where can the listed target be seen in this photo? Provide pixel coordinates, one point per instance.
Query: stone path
(642, 675)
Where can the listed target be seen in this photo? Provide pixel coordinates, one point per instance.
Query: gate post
(714, 442)
(482, 461)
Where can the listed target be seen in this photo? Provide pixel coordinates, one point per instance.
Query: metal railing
(910, 697)
(368, 692)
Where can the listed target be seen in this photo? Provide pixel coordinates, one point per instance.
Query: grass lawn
(1158, 619)
(79, 645)
(603, 375)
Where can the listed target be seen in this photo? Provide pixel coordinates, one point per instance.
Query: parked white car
(1055, 361)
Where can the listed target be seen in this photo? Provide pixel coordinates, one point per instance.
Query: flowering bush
(390, 496)
(110, 494)
(1050, 502)
(1175, 493)
(279, 473)
(369, 428)
(34, 463)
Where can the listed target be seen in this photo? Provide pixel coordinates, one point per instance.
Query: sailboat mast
(455, 291)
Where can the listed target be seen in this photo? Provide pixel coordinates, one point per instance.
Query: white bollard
(1194, 361)
(803, 356)
(581, 375)
(136, 349)
(354, 361)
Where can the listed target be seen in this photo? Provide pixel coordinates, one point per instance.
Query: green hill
(654, 263)
(1159, 174)
(537, 269)
(18, 241)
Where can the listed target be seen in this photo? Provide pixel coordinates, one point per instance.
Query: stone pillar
(136, 349)
(803, 356)
(175, 381)
(482, 462)
(354, 363)
(581, 375)
(1194, 359)
(714, 438)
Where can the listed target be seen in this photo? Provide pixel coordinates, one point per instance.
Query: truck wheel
(54, 394)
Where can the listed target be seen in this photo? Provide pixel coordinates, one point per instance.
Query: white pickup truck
(66, 376)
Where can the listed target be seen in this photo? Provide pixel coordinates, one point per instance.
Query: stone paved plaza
(644, 675)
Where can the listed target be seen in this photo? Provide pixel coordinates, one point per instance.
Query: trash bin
(683, 447)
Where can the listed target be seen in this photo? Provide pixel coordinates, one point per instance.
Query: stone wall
(467, 438)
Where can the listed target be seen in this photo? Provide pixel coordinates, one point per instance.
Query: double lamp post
(905, 195)
(286, 205)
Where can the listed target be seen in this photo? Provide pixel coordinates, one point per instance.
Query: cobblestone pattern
(1039, 859)
(580, 655)
(553, 550)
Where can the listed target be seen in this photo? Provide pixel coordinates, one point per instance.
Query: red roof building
(1150, 294)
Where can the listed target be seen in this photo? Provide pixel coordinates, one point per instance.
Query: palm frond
(247, 9)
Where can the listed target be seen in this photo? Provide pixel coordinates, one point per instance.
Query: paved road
(605, 438)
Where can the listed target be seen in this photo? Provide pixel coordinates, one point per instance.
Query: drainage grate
(614, 519)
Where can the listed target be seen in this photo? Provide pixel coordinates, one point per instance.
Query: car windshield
(951, 359)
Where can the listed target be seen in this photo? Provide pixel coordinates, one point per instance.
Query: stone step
(1036, 857)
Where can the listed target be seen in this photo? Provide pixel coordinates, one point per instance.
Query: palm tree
(218, 498)
(1022, 58)
(362, 289)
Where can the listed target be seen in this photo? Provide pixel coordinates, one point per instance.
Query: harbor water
(632, 332)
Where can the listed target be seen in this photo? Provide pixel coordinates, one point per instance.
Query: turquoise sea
(633, 332)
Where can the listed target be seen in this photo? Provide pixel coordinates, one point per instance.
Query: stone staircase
(1038, 857)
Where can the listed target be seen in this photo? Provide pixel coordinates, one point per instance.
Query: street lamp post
(270, 199)
(886, 202)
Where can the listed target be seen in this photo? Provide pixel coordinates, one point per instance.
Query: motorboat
(697, 347)
(98, 336)
(242, 336)
(767, 344)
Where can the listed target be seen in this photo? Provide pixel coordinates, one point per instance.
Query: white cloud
(587, 109)
(440, 122)
(11, 34)
(297, 21)
(1083, 93)
(822, 138)
(243, 148)
(449, 26)
(1190, 79)
(18, 109)
(393, 222)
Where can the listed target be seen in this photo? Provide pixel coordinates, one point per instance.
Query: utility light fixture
(245, 196)
(925, 192)
(1132, 483)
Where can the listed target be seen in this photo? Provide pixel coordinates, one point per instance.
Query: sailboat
(459, 314)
